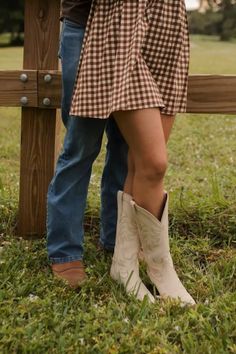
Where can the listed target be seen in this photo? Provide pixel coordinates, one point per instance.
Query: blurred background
(209, 17)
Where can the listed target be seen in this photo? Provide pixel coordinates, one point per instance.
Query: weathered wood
(206, 93)
(211, 94)
(51, 89)
(12, 88)
(38, 128)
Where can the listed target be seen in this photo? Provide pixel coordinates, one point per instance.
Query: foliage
(220, 20)
(228, 23)
(12, 20)
(204, 23)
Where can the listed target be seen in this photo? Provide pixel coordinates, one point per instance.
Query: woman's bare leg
(145, 136)
(167, 123)
(128, 186)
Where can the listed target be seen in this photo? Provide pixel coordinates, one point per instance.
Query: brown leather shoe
(72, 272)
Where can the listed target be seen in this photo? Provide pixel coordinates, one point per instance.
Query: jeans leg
(113, 179)
(67, 192)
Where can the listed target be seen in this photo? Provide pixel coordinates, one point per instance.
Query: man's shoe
(72, 272)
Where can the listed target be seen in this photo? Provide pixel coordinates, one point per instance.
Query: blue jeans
(67, 192)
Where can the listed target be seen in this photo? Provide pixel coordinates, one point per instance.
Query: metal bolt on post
(24, 100)
(24, 77)
(48, 78)
(46, 101)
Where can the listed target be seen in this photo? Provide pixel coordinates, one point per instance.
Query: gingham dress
(135, 54)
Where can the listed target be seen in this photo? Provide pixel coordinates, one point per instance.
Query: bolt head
(24, 100)
(48, 78)
(46, 101)
(23, 77)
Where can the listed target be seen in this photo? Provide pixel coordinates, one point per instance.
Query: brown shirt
(75, 10)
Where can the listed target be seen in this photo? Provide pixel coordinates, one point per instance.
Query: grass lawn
(39, 314)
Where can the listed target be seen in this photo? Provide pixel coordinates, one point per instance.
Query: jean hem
(54, 260)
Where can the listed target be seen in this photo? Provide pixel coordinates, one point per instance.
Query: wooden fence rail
(37, 89)
(206, 93)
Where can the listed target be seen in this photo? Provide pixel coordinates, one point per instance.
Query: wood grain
(12, 88)
(51, 90)
(38, 126)
(206, 93)
(211, 94)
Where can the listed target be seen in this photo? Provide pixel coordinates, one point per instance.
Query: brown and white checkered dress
(135, 54)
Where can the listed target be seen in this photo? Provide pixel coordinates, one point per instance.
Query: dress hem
(161, 108)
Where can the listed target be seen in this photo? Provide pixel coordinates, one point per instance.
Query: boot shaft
(127, 240)
(153, 233)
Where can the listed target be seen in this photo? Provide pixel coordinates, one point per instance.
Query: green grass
(211, 56)
(5, 39)
(38, 314)
(11, 58)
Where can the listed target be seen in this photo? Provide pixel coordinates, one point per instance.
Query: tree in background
(204, 23)
(12, 20)
(228, 22)
(218, 18)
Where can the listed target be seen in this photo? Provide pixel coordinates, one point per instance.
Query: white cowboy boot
(155, 244)
(125, 265)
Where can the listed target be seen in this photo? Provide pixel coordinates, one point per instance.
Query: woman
(134, 69)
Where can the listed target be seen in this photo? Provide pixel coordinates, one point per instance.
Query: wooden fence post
(39, 127)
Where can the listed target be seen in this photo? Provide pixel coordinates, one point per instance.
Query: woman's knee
(152, 168)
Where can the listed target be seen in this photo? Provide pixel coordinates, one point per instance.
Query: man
(67, 193)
